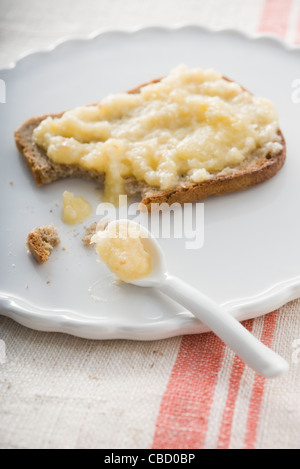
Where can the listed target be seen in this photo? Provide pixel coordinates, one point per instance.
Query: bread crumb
(89, 232)
(11, 183)
(48, 282)
(63, 249)
(92, 229)
(41, 241)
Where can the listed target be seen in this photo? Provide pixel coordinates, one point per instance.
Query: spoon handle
(262, 359)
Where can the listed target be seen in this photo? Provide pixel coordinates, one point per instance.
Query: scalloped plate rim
(101, 32)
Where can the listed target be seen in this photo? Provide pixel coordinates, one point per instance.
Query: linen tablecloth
(59, 391)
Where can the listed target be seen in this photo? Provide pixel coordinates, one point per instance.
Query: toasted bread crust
(45, 171)
(240, 179)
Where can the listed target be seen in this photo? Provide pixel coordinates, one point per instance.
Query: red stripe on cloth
(275, 17)
(297, 39)
(259, 386)
(185, 408)
(237, 371)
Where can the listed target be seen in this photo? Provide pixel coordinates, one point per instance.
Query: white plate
(250, 261)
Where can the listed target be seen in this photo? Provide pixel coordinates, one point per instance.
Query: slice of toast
(254, 170)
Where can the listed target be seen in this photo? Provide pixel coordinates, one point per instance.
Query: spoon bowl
(159, 271)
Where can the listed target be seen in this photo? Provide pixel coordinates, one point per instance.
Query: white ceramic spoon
(262, 359)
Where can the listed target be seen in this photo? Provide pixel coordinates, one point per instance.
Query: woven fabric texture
(58, 391)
